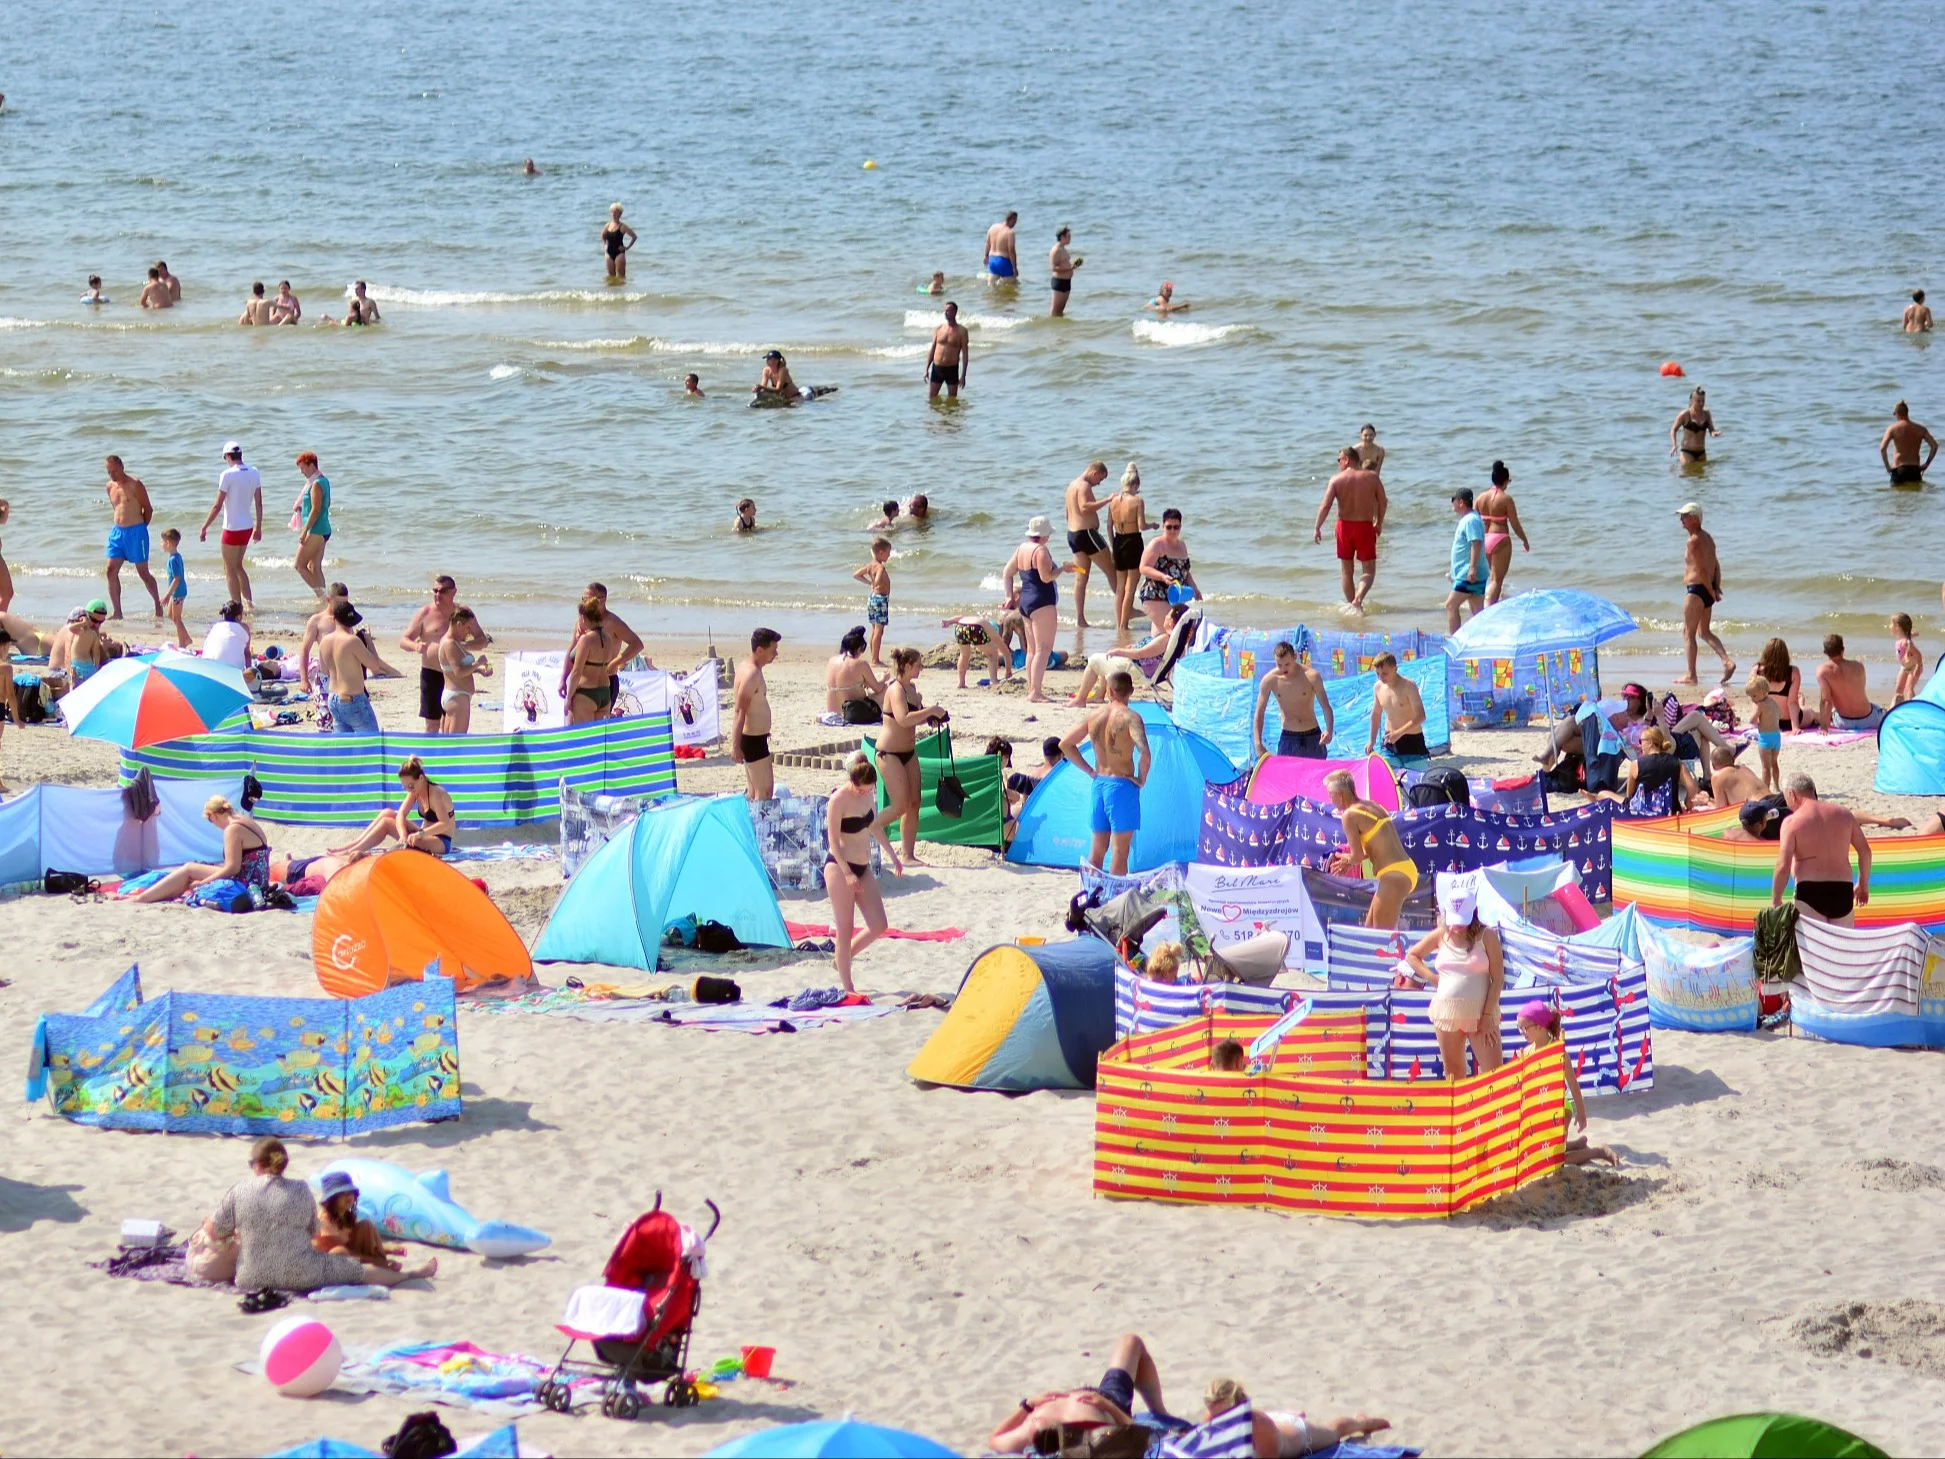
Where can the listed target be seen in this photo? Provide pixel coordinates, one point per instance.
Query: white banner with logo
(1235, 903)
(533, 700)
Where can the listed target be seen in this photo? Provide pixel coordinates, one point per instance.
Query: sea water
(1482, 227)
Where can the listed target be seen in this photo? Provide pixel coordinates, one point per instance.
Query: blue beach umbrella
(134, 702)
(1537, 623)
(843, 1436)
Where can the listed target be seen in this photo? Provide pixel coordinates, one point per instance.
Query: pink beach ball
(300, 1357)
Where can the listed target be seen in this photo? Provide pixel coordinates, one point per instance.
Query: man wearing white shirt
(239, 497)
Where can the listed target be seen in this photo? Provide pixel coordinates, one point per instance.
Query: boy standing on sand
(1396, 700)
(749, 725)
(877, 606)
(178, 589)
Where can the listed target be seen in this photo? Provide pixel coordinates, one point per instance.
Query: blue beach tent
(686, 857)
(1911, 742)
(1053, 829)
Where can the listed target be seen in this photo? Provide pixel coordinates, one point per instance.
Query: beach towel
(802, 930)
(744, 1018)
(500, 1443)
(1826, 739)
(1229, 1435)
(1856, 970)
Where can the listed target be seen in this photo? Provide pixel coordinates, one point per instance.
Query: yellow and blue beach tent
(1026, 1018)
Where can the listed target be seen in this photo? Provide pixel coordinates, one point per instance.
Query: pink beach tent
(1278, 778)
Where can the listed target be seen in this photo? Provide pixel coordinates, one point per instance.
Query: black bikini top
(851, 825)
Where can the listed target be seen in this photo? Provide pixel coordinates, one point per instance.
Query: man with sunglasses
(423, 635)
(239, 499)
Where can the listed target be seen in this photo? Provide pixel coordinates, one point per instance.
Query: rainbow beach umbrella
(134, 702)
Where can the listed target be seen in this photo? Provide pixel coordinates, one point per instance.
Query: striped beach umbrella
(134, 702)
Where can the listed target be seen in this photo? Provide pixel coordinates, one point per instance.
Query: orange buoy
(1669, 367)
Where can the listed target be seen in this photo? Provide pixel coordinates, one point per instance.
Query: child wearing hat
(1539, 1023)
(340, 1229)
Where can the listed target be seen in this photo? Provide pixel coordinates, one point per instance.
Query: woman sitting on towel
(1468, 970)
(851, 824)
(274, 1219)
(246, 856)
(1540, 1024)
(852, 691)
(438, 822)
(340, 1229)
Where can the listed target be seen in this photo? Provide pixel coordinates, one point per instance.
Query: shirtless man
(1702, 590)
(1815, 848)
(1901, 449)
(1299, 692)
(1397, 702)
(1061, 264)
(174, 283)
(611, 622)
(315, 627)
(949, 361)
(155, 293)
(1843, 704)
(1085, 539)
(1370, 455)
(257, 309)
(346, 659)
(76, 649)
(1127, 520)
(1001, 260)
(1917, 314)
(749, 725)
(1731, 784)
(361, 309)
(1694, 426)
(1130, 1371)
(1359, 497)
(424, 634)
(128, 539)
(1122, 761)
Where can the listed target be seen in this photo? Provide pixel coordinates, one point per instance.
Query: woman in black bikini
(246, 856)
(617, 238)
(591, 672)
(850, 825)
(438, 821)
(905, 711)
(1694, 426)
(1127, 520)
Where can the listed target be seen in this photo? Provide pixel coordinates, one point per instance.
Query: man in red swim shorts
(1359, 498)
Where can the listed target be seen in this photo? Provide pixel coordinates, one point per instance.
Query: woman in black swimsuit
(850, 825)
(246, 856)
(905, 711)
(617, 238)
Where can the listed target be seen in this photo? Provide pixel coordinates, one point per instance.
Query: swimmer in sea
(1369, 453)
(937, 286)
(361, 309)
(174, 283)
(776, 377)
(949, 361)
(94, 294)
(1917, 314)
(890, 511)
(1165, 303)
(256, 308)
(692, 387)
(617, 238)
(155, 293)
(1694, 425)
(1000, 259)
(530, 170)
(285, 306)
(1902, 448)
(919, 508)
(745, 520)
(1061, 264)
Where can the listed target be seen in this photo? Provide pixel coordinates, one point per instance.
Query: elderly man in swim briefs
(1370, 836)
(1122, 761)
(1300, 692)
(1358, 495)
(1815, 848)
(1085, 538)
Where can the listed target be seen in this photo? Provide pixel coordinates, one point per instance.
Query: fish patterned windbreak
(252, 1066)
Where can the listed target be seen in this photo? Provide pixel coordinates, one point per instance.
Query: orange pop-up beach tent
(385, 919)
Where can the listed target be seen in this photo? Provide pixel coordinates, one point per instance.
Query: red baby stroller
(638, 1321)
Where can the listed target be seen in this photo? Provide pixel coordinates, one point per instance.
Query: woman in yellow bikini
(1371, 837)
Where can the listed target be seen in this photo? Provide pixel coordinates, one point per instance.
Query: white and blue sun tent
(686, 857)
(1911, 742)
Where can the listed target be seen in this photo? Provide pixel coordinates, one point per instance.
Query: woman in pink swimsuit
(1502, 519)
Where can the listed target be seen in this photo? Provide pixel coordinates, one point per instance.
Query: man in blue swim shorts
(1002, 262)
(1468, 561)
(128, 539)
(1122, 761)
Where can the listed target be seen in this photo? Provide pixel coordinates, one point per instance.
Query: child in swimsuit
(877, 604)
(1768, 717)
(1911, 659)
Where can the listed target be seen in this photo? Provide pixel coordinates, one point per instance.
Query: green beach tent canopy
(983, 821)
(1764, 1436)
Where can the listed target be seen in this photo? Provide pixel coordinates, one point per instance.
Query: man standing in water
(1702, 587)
(155, 293)
(423, 635)
(1917, 314)
(1001, 260)
(1359, 497)
(1061, 264)
(1121, 764)
(749, 725)
(950, 359)
(128, 539)
(1084, 538)
(174, 283)
(1300, 692)
(1814, 848)
(239, 497)
(1900, 450)
(1468, 561)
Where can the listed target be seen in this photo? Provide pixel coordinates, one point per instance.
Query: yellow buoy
(869, 165)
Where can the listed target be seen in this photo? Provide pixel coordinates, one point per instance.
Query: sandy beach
(925, 1258)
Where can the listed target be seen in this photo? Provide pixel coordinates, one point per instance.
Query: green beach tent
(982, 822)
(1764, 1436)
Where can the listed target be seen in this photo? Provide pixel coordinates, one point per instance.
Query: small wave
(633, 342)
(992, 583)
(56, 572)
(8, 322)
(460, 298)
(898, 351)
(926, 319)
(1180, 332)
(273, 562)
(503, 372)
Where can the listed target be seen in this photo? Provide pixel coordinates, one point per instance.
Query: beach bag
(421, 1436)
(68, 884)
(1439, 787)
(862, 711)
(715, 937)
(225, 895)
(950, 795)
(716, 990)
(211, 1258)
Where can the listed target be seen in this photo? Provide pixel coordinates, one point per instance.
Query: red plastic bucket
(757, 1361)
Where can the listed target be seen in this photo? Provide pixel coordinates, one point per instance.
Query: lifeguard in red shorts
(1359, 498)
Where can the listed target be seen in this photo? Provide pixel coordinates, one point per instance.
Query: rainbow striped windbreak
(1679, 871)
(1310, 1135)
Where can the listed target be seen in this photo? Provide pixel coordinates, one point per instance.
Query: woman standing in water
(617, 238)
(1502, 520)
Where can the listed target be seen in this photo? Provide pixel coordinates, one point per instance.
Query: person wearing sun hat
(1702, 590)
(1467, 972)
(1540, 1024)
(341, 1230)
(1037, 597)
(77, 648)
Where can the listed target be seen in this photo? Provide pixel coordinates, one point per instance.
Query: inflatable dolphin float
(408, 1207)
